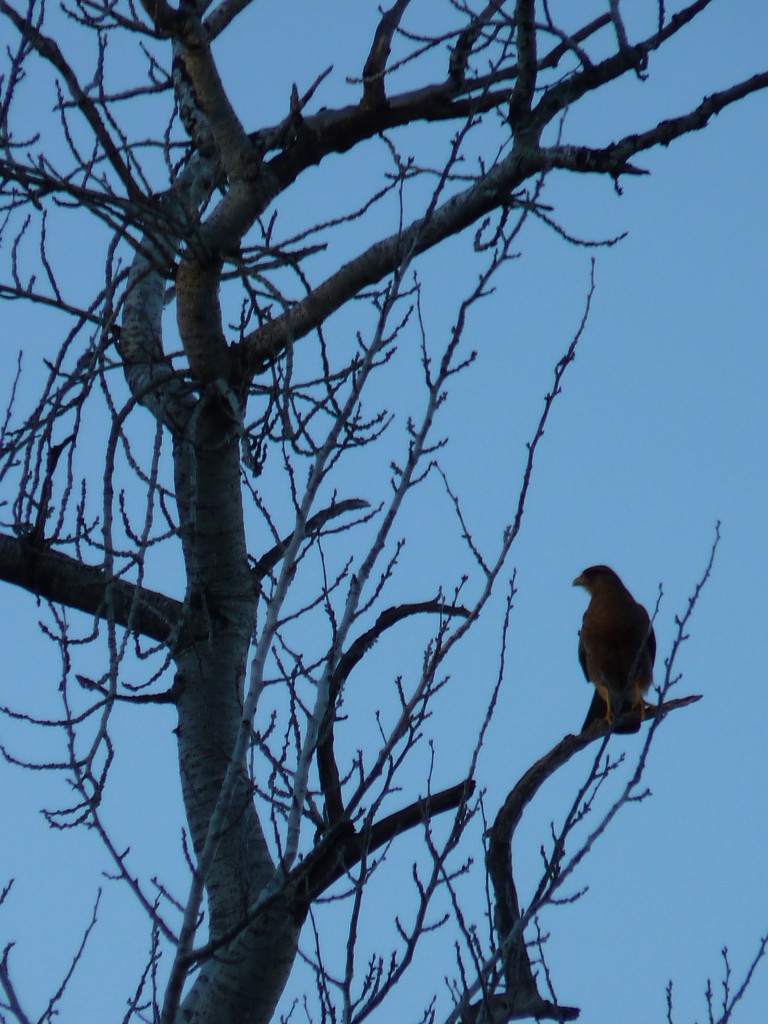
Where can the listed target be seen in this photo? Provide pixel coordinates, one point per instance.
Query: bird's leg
(639, 702)
(605, 693)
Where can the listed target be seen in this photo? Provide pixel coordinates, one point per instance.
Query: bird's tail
(598, 710)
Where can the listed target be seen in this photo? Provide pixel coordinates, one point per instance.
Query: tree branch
(344, 847)
(522, 990)
(223, 15)
(54, 576)
(340, 850)
(573, 87)
(49, 50)
(326, 759)
(263, 346)
(314, 525)
(614, 159)
(461, 52)
(374, 93)
(338, 130)
(525, 86)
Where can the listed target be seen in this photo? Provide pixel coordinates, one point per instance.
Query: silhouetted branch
(49, 50)
(614, 159)
(525, 86)
(313, 526)
(492, 191)
(14, 1006)
(341, 849)
(508, 921)
(374, 93)
(326, 758)
(460, 54)
(345, 848)
(57, 577)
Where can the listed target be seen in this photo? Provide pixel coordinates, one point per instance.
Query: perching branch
(508, 920)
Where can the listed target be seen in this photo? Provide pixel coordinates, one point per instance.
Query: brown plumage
(617, 648)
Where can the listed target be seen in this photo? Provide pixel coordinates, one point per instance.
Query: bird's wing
(583, 658)
(652, 645)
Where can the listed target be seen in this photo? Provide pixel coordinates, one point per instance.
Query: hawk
(617, 648)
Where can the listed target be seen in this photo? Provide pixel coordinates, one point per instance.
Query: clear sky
(659, 434)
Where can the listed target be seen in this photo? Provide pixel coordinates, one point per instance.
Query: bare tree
(245, 460)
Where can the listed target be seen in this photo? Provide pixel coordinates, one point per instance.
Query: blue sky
(660, 433)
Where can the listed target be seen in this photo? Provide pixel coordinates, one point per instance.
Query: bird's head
(596, 575)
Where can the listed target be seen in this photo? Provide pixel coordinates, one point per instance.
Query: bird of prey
(617, 648)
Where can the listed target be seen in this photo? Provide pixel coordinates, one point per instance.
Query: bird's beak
(579, 581)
